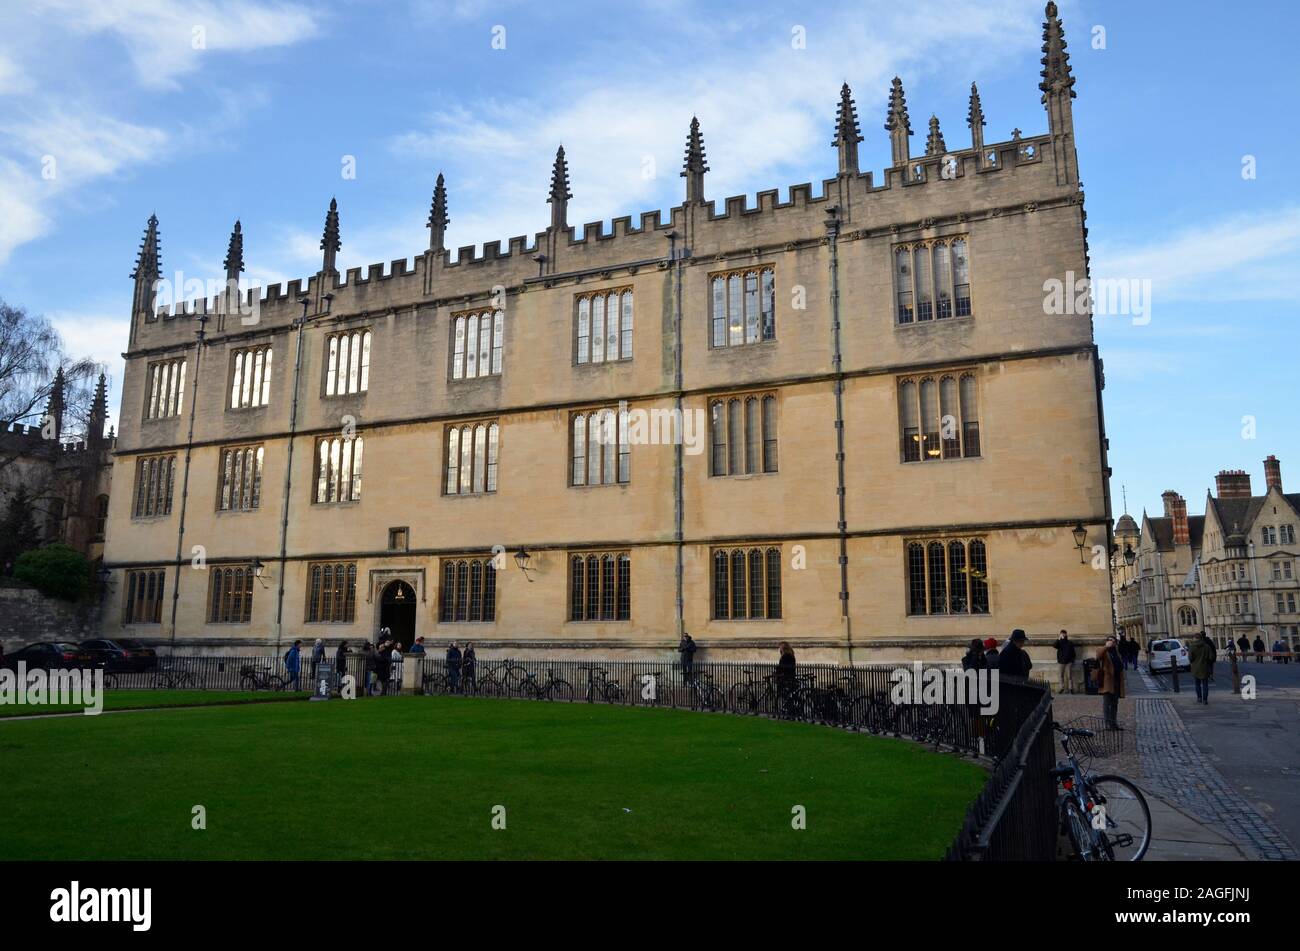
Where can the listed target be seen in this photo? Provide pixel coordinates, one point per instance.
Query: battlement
(1021, 171)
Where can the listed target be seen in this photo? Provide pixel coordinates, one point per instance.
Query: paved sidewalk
(1196, 815)
(1176, 770)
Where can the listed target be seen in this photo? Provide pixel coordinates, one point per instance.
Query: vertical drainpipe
(679, 412)
(301, 324)
(185, 478)
(837, 365)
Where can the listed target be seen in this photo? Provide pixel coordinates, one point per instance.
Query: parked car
(109, 654)
(142, 656)
(1162, 655)
(49, 655)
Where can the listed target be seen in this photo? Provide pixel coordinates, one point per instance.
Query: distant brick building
(897, 440)
(1234, 570)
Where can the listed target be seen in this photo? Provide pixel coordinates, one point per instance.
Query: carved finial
(329, 242)
(148, 263)
(438, 219)
(54, 408)
(148, 270)
(560, 177)
(694, 167)
(847, 132)
(975, 119)
(98, 410)
(560, 193)
(235, 254)
(898, 125)
(1057, 78)
(934, 144)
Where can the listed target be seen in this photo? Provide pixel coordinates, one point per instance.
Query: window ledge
(943, 321)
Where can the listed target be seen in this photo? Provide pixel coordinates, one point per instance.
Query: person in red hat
(991, 653)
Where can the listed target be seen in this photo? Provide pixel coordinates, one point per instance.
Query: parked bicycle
(555, 688)
(176, 678)
(704, 693)
(1105, 817)
(251, 678)
(756, 695)
(599, 686)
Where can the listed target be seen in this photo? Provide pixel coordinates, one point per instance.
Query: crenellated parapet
(962, 183)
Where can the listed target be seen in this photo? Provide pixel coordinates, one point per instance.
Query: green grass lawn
(418, 777)
(150, 699)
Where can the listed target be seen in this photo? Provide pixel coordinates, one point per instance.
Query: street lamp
(1130, 555)
(1080, 540)
(258, 568)
(522, 559)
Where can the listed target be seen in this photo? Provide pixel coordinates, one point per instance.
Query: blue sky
(257, 124)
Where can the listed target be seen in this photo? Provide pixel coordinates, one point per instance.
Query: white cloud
(161, 35)
(1240, 258)
(762, 106)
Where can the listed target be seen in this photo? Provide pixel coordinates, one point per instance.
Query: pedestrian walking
(1065, 656)
(1243, 645)
(973, 659)
(1201, 659)
(1014, 660)
(1259, 649)
(453, 666)
(293, 664)
(686, 647)
(1110, 682)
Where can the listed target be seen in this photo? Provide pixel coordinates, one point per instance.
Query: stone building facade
(886, 441)
(67, 477)
(1234, 570)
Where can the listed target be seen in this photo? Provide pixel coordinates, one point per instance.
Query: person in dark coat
(785, 668)
(1014, 661)
(686, 647)
(384, 665)
(371, 665)
(1259, 649)
(467, 662)
(1065, 656)
(293, 664)
(453, 666)
(1201, 659)
(991, 653)
(1110, 682)
(1243, 645)
(974, 656)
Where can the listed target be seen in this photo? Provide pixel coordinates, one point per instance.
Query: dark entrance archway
(397, 612)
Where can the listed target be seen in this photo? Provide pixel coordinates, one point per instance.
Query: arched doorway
(397, 612)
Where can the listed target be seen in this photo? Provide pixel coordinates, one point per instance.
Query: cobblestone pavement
(1175, 769)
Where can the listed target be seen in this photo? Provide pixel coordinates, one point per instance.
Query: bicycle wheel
(529, 690)
(613, 693)
(490, 688)
(741, 699)
(1127, 834)
(560, 690)
(435, 683)
(1079, 830)
(248, 682)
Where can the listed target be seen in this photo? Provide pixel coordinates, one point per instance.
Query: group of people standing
(461, 665)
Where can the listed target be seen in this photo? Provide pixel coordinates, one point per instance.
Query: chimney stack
(1232, 484)
(1178, 512)
(1168, 496)
(1272, 473)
